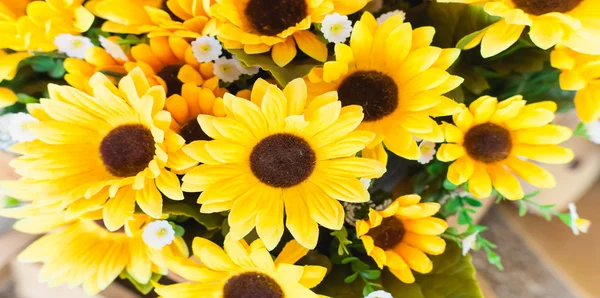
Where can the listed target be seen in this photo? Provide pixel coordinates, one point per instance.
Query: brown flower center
(270, 17)
(282, 160)
(540, 7)
(192, 132)
(127, 150)
(388, 234)
(374, 91)
(169, 75)
(488, 142)
(252, 285)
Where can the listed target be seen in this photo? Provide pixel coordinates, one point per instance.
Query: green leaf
(142, 288)
(351, 278)
(449, 185)
(371, 274)
(581, 131)
(464, 218)
(349, 260)
(453, 276)
(10, 202)
(359, 266)
(25, 99)
(58, 71)
(522, 208)
(210, 221)
(473, 202)
(283, 75)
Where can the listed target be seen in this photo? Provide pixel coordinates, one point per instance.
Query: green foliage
(142, 288)
(581, 131)
(342, 238)
(210, 221)
(10, 202)
(283, 75)
(453, 276)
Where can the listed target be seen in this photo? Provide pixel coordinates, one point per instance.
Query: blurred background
(542, 259)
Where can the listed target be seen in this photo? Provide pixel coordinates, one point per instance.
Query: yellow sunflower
(44, 21)
(397, 78)
(272, 153)
(260, 26)
(581, 73)
(490, 141)
(114, 145)
(13, 10)
(242, 270)
(400, 236)
(573, 23)
(189, 19)
(82, 253)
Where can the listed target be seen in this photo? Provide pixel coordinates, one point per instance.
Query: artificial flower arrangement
(284, 148)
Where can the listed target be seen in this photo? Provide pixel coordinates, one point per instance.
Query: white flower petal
(227, 70)
(574, 217)
(72, 45)
(593, 131)
(158, 234)
(206, 49)
(113, 49)
(427, 149)
(379, 294)
(382, 18)
(469, 242)
(336, 28)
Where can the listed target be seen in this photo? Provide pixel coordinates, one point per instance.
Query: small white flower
(578, 225)
(366, 182)
(374, 6)
(384, 17)
(16, 127)
(113, 49)
(72, 45)
(427, 149)
(227, 70)
(336, 28)
(593, 131)
(206, 49)
(379, 294)
(250, 71)
(158, 234)
(468, 243)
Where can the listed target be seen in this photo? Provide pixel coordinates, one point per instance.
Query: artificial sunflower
(260, 26)
(44, 21)
(242, 270)
(397, 78)
(114, 145)
(272, 153)
(81, 252)
(490, 141)
(580, 73)
(189, 19)
(573, 23)
(401, 235)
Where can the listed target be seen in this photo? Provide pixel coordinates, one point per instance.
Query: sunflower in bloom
(400, 236)
(397, 78)
(273, 153)
(114, 145)
(573, 23)
(491, 141)
(580, 73)
(81, 252)
(242, 270)
(183, 18)
(260, 26)
(44, 21)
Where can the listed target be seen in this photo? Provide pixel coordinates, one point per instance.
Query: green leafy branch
(359, 267)
(547, 211)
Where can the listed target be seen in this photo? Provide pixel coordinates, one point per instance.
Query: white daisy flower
(578, 225)
(336, 28)
(468, 243)
(227, 70)
(15, 127)
(206, 49)
(113, 49)
(379, 294)
(250, 71)
(427, 149)
(72, 45)
(382, 18)
(593, 131)
(158, 234)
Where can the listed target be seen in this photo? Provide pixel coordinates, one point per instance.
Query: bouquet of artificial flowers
(284, 148)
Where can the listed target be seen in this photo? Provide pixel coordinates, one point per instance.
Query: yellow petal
(311, 45)
(480, 183)
(534, 174)
(433, 245)
(461, 170)
(551, 154)
(416, 259)
(303, 228)
(505, 182)
(450, 152)
(284, 52)
(499, 37)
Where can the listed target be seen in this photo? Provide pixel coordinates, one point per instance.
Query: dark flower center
(127, 150)
(388, 234)
(540, 7)
(270, 17)
(488, 142)
(169, 75)
(374, 91)
(282, 160)
(192, 132)
(252, 285)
